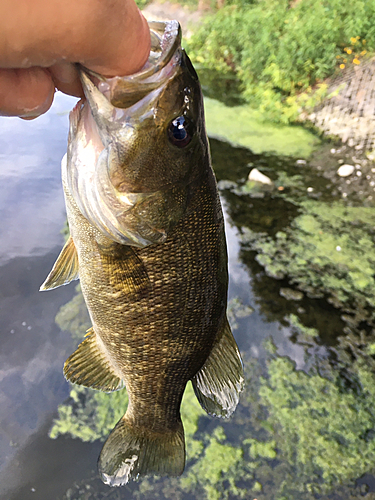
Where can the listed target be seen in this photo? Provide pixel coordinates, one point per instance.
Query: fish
(147, 243)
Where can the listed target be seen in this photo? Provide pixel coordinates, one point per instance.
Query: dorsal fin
(88, 366)
(65, 269)
(219, 382)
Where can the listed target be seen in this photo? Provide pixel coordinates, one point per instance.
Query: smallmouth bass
(147, 242)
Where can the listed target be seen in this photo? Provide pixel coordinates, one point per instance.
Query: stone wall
(350, 114)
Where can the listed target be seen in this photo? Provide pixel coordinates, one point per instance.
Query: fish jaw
(124, 174)
(86, 179)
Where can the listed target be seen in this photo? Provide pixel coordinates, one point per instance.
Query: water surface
(301, 312)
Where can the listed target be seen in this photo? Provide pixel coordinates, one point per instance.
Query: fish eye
(180, 131)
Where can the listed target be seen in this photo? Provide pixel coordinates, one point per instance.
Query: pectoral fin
(65, 269)
(88, 366)
(219, 382)
(126, 272)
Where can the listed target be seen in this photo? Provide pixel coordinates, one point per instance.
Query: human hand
(40, 40)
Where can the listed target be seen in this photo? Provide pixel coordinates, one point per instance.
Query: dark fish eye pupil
(180, 131)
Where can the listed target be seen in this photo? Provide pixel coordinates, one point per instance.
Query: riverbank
(350, 113)
(240, 125)
(347, 111)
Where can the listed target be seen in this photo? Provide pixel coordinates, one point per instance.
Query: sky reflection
(32, 208)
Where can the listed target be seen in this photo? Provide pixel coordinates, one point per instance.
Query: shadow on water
(270, 213)
(224, 88)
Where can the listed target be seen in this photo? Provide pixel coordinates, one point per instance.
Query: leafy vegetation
(142, 3)
(282, 51)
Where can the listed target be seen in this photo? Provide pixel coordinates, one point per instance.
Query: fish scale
(147, 240)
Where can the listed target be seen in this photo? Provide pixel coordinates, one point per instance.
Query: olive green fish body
(147, 242)
(157, 310)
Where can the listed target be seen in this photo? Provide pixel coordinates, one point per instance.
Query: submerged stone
(257, 176)
(345, 170)
(290, 294)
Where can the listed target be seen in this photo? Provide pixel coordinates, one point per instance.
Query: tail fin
(130, 452)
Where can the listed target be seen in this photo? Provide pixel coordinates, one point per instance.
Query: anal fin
(219, 382)
(65, 269)
(88, 366)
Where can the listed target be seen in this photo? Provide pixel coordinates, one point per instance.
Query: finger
(126, 54)
(66, 78)
(121, 44)
(26, 93)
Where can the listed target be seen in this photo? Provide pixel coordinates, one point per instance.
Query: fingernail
(31, 114)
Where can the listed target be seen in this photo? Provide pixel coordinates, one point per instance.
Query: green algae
(242, 126)
(218, 464)
(89, 415)
(297, 434)
(236, 310)
(328, 250)
(304, 435)
(73, 317)
(322, 428)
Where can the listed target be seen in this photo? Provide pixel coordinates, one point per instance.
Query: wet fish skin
(157, 303)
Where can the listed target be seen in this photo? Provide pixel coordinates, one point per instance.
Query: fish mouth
(165, 54)
(109, 115)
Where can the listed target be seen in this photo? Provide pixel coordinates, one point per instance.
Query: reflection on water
(32, 214)
(302, 312)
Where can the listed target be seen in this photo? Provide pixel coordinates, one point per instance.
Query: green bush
(279, 51)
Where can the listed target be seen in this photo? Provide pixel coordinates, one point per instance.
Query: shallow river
(301, 303)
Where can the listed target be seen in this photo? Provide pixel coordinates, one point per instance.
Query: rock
(257, 176)
(225, 184)
(290, 294)
(345, 170)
